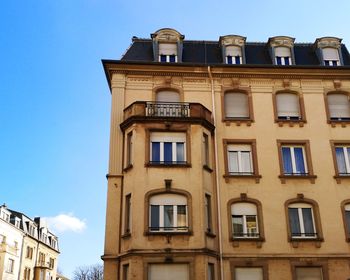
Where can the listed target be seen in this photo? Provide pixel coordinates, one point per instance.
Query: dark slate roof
(209, 52)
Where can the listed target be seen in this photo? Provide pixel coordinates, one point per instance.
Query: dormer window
(233, 55)
(232, 47)
(281, 50)
(330, 57)
(167, 52)
(283, 56)
(167, 45)
(328, 51)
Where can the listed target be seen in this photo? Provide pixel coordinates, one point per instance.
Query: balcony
(146, 111)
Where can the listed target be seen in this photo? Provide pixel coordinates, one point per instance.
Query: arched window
(302, 220)
(236, 105)
(233, 55)
(338, 106)
(283, 56)
(288, 106)
(168, 213)
(244, 220)
(330, 56)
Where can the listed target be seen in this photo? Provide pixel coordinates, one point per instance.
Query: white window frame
(10, 265)
(346, 157)
(173, 200)
(168, 137)
(301, 206)
(244, 216)
(239, 149)
(294, 166)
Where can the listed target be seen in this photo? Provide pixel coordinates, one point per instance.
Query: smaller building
(28, 250)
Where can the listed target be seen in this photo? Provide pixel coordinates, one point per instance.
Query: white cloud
(65, 222)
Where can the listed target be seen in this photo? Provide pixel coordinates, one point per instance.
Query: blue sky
(55, 102)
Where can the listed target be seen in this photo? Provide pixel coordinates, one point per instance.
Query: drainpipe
(218, 202)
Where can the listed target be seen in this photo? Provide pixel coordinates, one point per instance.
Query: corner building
(229, 160)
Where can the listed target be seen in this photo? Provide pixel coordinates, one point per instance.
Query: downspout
(217, 175)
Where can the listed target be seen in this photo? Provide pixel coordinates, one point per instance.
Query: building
(229, 159)
(29, 251)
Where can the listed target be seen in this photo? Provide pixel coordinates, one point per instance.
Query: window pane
(347, 218)
(233, 162)
(299, 160)
(180, 152)
(308, 223)
(181, 216)
(286, 60)
(168, 152)
(246, 162)
(339, 151)
(163, 58)
(229, 59)
(294, 221)
(154, 217)
(238, 59)
(172, 58)
(252, 228)
(156, 151)
(287, 160)
(278, 60)
(168, 217)
(211, 271)
(309, 273)
(237, 223)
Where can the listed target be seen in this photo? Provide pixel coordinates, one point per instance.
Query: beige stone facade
(259, 195)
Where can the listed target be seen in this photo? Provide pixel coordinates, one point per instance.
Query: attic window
(233, 55)
(283, 56)
(167, 52)
(330, 57)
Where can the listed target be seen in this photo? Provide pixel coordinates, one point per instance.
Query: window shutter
(287, 105)
(236, 105)
(233, 51)
(330, 54)
(243, 273)
(282, 51)
(309, 273)
(167, 49)
(338, 105)
(168, 271)
(168, 199)
(168, 96)
(243, 209)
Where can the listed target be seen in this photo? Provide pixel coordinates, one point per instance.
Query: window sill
(210, 234)
(295, 241)
(338, 178)
(168, 233)
(257, 177)
(238, 122)
(126, 235)
(207, 168)
(342, 123)
(162, 165)
(126, 169)
(290, 122)
(236, 241)
(283, 178)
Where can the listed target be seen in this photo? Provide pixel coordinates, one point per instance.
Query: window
(233, 55)
(41, 258)
(294, 160)
(211, 271)
(283, 56)
(309, 273)
(127, 214)
(251, 273)
(29, 254)
(27, 273)
(342, 154)
(168, 148)
(168, 213)
(346, 218)
(129, 149)
(167, 52)
(301, 220)
(53, 243)
(236, 105)
(288, 106)
(330, 57)
(31, 230)
(338, 107)
(208, 216)
(51, 263)
(244, 220)
(206, 161)
(10, 265)
(240, 159)
(125, 271)
(168, 96)
(168, 271)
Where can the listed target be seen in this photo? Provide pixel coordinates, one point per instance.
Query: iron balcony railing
(167, 109)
